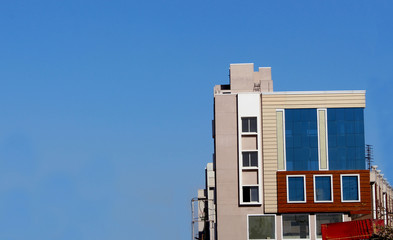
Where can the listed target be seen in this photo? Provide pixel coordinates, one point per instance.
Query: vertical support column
(313, 226)
(384, 209)
(322, 140)
(280, 129)
(373, 201)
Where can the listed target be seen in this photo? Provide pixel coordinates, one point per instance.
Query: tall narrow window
(296, 189)
(249, 124)
(261, 227)
(250, 159)
(323, 188)
(350, 191)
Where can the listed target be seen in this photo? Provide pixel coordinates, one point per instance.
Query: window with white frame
(325, 219)
(250, 194)
(250, 159)
(350, 188)
(261, 227)
(249, 124)
(296, 189)
(323, 188)
(295, 226)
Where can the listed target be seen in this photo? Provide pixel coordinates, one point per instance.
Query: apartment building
(286, 162)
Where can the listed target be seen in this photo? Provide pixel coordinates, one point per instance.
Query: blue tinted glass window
(346, 138)
(323, 188)
(301, 139)
(350, 188)
(296, 189)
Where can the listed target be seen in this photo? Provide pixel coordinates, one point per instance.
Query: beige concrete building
(284, 162)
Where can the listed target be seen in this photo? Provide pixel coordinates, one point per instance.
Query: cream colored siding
(322, 139)
(271, 102)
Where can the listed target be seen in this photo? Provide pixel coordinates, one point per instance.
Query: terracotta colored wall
(362, 207)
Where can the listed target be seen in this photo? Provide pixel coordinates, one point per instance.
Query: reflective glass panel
(301, 139)
(350, 188)
(295, 189)
(323, 188)
(346, 138)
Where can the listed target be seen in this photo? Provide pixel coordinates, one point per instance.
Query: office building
(286, 162)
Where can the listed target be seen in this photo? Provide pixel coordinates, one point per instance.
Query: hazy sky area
(106, 106)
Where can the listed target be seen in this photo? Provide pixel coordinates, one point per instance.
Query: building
(286, 162)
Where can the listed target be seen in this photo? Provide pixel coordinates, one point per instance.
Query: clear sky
(106, 106)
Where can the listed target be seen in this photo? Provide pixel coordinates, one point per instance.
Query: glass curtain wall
(346, 138)
(301, 138)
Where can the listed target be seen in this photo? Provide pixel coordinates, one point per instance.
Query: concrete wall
(231, 218)
(244, 79)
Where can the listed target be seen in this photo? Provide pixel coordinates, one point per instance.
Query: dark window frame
(249, 125)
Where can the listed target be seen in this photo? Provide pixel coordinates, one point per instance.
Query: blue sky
(106, 106)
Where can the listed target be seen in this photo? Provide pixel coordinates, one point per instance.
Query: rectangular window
(249, 124)
(325, 219)
(350, 188)
(261, 227)
(301, 139)
(296, 189)
(346, 138)
(250, 194)
(250, 159)
(295, 226)
(323, 188)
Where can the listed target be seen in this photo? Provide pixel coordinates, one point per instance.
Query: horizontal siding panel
(268, 132)
(271, 155)
(270, 165)
(315, 103)
(308, 98)
(328, 105)
(315, 96)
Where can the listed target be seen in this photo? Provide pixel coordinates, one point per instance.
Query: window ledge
(349, 201)
(249, 133)
(330, 201)
(251, 203)
(250, 168)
